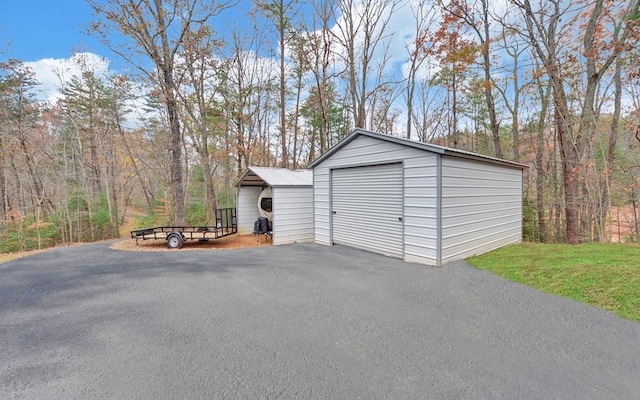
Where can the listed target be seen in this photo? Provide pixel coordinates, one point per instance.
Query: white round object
(265, 204)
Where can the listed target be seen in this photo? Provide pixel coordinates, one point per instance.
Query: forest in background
(550, 84)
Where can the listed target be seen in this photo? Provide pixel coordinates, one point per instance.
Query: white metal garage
(419, 202)
(292, 202)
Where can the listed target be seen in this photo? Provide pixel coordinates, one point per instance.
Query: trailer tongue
(226, 224)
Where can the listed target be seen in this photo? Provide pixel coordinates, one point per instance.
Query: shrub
(29, 234)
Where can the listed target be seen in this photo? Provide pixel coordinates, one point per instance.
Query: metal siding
(367, 208)
(420, 207)
(292, 215)
(420, 192)
(473, 200)
(247, 209)
(439, 214)
(481, 207)
(321, 201)
(430, 148)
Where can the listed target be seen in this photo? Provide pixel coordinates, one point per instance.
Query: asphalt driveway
(296, 322)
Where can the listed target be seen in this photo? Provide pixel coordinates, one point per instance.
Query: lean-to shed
(291, 194)
(415, 201)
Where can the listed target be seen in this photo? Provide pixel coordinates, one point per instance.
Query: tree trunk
(169, 88)
(210, 191)
(4, 198)
(515, 126)
(283, 98)
(540, 186)
(37, 186)
(603, 207)
(177, 184)
(570, 166)
(488, 93)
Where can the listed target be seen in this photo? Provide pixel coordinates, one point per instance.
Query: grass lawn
(601, 274)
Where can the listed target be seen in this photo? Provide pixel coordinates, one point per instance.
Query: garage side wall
(292, 214)
(420, 193)
(481, 207)
(247, 208)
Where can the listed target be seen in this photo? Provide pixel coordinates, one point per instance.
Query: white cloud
(54, 73)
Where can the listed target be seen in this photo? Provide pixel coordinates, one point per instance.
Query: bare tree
(424, 14)
(200, 98)
(280, 13)
(361, 31)
(156, 30)
(543, 24)
(319, 44)
(249, 98)
(429, 115)
(514, 49)
(475, 15)
(21, 138)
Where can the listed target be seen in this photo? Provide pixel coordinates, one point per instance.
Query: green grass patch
(27, 234)
(604, 275)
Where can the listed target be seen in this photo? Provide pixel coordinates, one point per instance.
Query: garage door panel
(367, 208)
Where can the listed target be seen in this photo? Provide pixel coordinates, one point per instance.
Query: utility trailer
(226, 224)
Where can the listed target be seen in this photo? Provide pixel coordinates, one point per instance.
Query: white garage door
(367, 208)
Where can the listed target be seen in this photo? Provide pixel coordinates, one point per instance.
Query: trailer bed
(176, 235)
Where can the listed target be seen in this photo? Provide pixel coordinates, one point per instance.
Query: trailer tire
(175, 240)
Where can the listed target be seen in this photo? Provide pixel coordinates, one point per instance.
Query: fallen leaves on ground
(227, 242)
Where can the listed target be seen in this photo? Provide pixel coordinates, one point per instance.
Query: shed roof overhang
(275, 177)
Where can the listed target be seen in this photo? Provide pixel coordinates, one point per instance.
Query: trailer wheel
(174, 240)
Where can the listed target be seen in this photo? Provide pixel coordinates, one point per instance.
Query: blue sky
(31, 30)
(45, 34)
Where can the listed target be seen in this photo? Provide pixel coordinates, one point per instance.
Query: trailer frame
(226, 224)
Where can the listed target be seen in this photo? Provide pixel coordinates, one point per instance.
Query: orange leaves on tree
(449, 45)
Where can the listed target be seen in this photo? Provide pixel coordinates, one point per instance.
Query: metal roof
(415, 144)
(274, 177)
